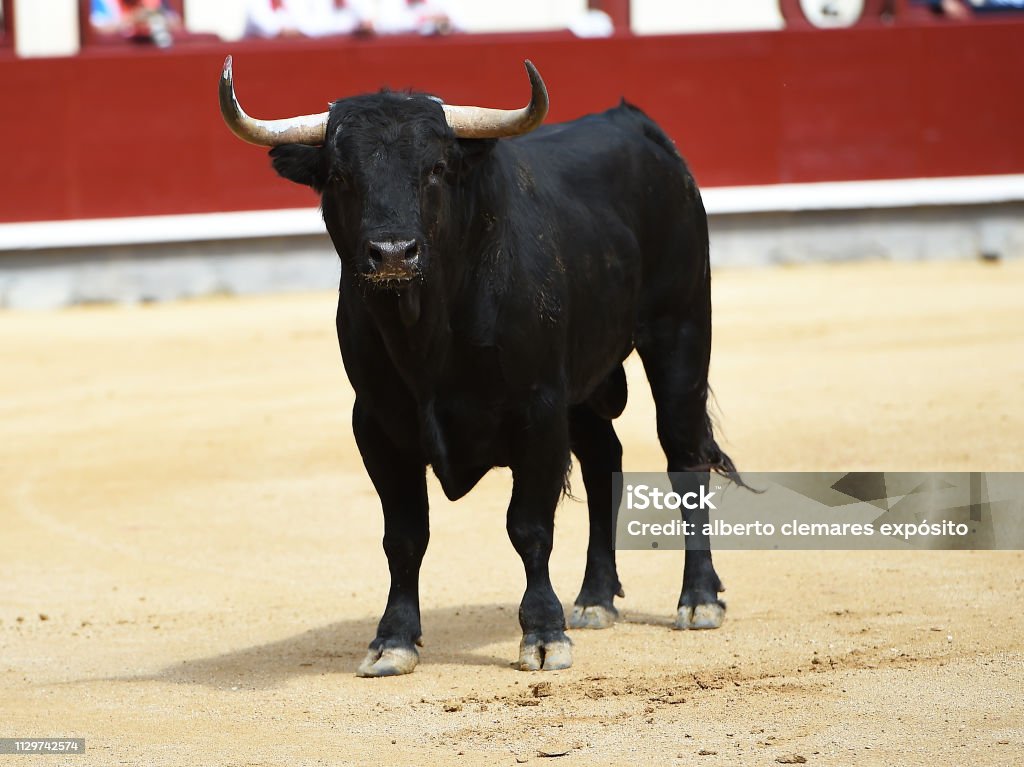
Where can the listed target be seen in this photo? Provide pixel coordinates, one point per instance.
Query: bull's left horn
(481, 122)
(306, 129)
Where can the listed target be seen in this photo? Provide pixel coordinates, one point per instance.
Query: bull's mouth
(391, 278)
(390, 281)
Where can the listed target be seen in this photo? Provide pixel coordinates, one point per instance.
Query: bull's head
(387, 167)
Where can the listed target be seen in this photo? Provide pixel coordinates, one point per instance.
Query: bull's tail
(712, 458)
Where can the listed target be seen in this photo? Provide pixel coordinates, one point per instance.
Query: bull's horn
(306, 129)
(481, 122)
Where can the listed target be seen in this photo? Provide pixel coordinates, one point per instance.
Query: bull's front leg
(400, 480)
(538, 472)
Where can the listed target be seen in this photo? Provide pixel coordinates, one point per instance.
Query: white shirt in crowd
(320, 18)
(403, 16)
(309, 18)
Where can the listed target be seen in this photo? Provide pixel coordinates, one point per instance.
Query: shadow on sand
(453, 635)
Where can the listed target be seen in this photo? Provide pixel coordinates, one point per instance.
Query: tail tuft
(713, 459)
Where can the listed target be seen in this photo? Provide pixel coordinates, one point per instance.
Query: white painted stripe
(854, 195)
(838, 195)
(137, 230)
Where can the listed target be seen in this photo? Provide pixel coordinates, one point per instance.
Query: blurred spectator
(305, 18)
(592, 23)
(998, 5)
(143, 21)
(425, 17)
(954, 9)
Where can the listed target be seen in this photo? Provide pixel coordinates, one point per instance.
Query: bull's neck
(415, 329)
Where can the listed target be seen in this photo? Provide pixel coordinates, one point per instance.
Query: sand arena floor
(191, 562)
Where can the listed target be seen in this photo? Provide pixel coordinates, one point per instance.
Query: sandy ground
(191, 565)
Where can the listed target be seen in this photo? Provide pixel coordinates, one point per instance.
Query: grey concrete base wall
(42, 279)
(896, 234)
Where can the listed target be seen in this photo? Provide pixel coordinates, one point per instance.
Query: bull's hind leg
(600, 455)
(675, 352)
(400, 480)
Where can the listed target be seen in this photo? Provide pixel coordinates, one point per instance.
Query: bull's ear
(300, 163)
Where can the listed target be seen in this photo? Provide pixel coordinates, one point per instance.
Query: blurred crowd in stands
(319, 18)
(159, 22)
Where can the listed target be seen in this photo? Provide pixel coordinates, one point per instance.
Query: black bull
(490, 291)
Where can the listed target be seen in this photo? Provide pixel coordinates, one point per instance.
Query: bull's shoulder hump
(624, 120)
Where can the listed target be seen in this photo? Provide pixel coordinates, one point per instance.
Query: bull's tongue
(409, 305)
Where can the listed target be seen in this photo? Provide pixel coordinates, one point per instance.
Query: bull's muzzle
(392, 261)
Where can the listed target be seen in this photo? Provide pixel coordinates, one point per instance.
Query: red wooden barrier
(122, 132)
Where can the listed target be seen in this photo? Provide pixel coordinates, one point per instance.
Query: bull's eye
(438, 170)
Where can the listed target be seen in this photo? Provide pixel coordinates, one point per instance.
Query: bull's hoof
(388, 661)
(593, 617)
(706, 616)
(536, 654)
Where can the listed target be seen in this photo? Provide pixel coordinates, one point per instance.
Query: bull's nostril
(392, 251)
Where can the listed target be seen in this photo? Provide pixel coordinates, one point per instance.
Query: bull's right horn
(306, 129)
